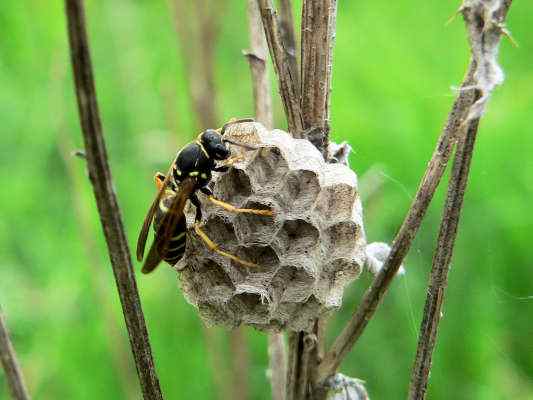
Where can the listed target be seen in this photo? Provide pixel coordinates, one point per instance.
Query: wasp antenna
(243, 145)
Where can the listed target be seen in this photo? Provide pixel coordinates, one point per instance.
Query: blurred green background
(395, 64)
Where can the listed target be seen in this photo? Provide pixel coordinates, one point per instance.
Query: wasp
(191, 171)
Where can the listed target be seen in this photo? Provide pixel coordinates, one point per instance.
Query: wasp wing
(165, 230)
(141, 241)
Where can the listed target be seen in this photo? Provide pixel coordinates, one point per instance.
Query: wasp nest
(306, 254)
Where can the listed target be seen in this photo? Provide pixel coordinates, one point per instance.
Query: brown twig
(257, 56)
(467, 97)
(277, 364)
(14, 377)
(318, 39)
(294, 344)
(288, 38)
(106, 201)
(287, 82)
(116, 344)
(480, 36)
(404, 238)
(441, 261)
(197, 26)
(240, 361)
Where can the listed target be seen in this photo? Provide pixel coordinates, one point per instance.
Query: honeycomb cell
(255, 229)
(264, 256)
(336, 274)
(341, 238)
(267, 169)
(217, 227)
(233, 187)
(299, 192)
(216, 314)
(293, 283)
(251, 307)
(297, 237)
(336, 203)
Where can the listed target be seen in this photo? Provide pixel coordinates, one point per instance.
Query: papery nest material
(306, 254)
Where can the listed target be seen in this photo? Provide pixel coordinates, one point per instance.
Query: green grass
(394, 66)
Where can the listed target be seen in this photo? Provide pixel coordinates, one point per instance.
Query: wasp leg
(212, 246)
(159, 178)
(230, 208)
(196, 203)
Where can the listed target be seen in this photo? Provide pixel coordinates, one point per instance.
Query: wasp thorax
(306, 254)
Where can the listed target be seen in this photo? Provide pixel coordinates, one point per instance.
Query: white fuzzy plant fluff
(306, 254)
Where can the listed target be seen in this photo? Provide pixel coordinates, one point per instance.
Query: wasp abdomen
(176, 245)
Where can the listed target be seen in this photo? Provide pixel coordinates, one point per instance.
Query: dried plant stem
(441, 262)
(116, 343)
(288, 38)
(257, 56)
(240, 361)
(318, 39)
(288, 82)
(14, 377)
(106, 201)
(450, 219)
(277, 364)
(404, 238)
(294, 342)
(197, 25)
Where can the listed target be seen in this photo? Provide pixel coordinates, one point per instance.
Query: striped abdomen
(176, 246)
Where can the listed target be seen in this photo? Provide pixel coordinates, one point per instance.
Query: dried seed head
(306, 254)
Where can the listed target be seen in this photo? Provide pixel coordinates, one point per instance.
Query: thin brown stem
(404, 238)
(479, 35)
(287, 82)
(277, 364)
(240, 363)
(8, 357)
(288, 38)
(295, 340)
(257, 56)
(318, 39)
(197, 25)
(441, 262)
(463, 105)
(109, 211)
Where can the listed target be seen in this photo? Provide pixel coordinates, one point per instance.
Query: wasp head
(214, 145)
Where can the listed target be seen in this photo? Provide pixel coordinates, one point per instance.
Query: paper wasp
(191, 171)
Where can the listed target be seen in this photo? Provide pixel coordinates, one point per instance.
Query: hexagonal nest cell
(306, 253)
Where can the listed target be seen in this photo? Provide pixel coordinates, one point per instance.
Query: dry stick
(452, 210)
(404, 238)
(295, 343)
(441, 262)
(14, 377)
(288, 38)
(318, 39)
(116, 344)
(257, 56)
(288, 88)
(108, 208)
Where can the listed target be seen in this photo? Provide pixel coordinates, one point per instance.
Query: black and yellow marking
(190, 171)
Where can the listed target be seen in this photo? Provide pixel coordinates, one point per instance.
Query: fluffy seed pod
(307, 253)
